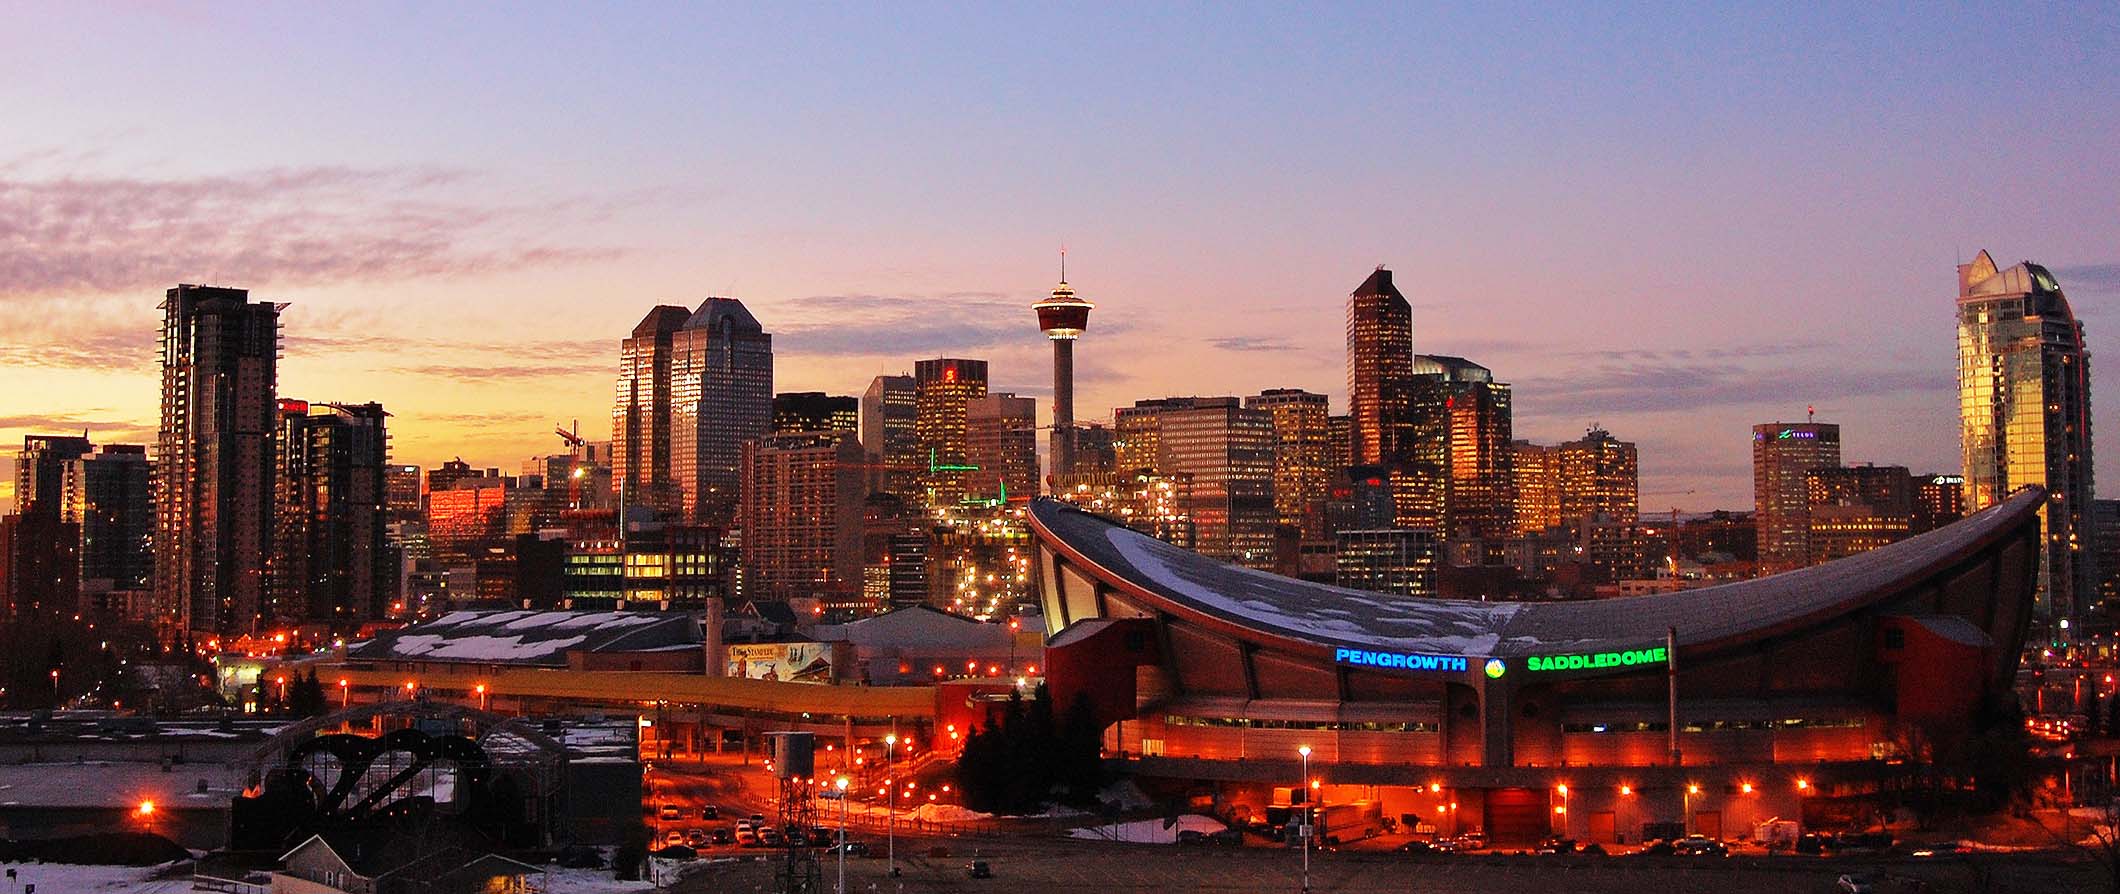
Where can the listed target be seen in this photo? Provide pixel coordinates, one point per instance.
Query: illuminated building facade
(1783, 454)
(692, 388)
(401, 490)
(1599, 477)
(802, 518)
(1302, 473)
(2024, 404)
(330, 560)
(1062, 318)
(1939, 500)
(1379, 352)
(1339, 443)
(654, 566)
(1535, 477)
(1227, 451)
(944, 389)
(1478, 461)
(2105, 539)
(214, 457)
(1095, 452)
(1399, 561)
(979, 561)
(1151, 504)
(463, 520)
(890, 413)
(640, 419)
(799, 411)
(1001, 439)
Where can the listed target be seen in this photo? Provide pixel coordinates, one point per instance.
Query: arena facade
(1718, 708)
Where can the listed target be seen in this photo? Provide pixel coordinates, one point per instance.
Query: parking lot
(1042, 865)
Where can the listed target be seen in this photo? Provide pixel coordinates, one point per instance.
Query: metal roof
(1329, 617)
(528, 637)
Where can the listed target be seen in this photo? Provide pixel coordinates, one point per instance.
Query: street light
(841, 783)
(345, 692)
(1692, 788)
(1304, 825)
(481, 689)
(890, 810)
(1563, 789)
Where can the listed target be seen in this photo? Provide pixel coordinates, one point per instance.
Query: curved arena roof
(1305, 614)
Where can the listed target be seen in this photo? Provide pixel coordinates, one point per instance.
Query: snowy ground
(1149, 831)
(54, 878)
(58, 878)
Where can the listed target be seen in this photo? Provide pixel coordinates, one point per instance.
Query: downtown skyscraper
(692, 388)
(1001, 438)
(1303, 472)
(1783, 454)
(2024, 407)
(890, 412)
(1599, 478)
(1477, 461)
(1379, 353)
(214, 457)
(943, 391)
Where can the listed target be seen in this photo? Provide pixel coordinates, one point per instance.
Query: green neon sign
(1596, 660)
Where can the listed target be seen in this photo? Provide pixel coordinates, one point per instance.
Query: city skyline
(1794, 247)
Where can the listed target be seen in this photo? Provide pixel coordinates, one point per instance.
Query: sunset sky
(1669, 223)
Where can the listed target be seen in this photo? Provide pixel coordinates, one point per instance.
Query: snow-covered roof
(915, 626)
(1328, 616)
(529, 637)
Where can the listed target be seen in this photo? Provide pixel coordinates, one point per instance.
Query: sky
(1667, 220)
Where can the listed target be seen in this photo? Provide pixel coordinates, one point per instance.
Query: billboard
(786, 662)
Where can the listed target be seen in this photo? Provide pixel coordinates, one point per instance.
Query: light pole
(345, 693)
(1304, 823)
(1563, 789)
(481, 696)
(842, 785)
(1692, 788)
(890, 809)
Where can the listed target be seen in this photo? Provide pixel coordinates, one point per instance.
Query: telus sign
(1400, 660)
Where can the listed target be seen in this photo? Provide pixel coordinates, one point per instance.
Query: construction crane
(573, 439)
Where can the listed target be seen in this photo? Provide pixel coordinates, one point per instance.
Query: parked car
(978, 869)
(1855, 883)
(675, 837)
(1470, 841)
(670, 812)
(853, 849)
(677, 852)
(747, 837)
(1557, 845)
(1420, 849)
(710, 812)
(1658, 848)
(695, 838)
(1191, 837)
(1699, 846)
(1231, 837)
(771, 837)
(721, 836)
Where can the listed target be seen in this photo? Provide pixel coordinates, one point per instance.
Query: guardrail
(251, 884)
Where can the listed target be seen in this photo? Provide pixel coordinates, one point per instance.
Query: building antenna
(1810, 414)
(1063, 263)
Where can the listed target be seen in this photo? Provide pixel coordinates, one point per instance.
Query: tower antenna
(1063, 263)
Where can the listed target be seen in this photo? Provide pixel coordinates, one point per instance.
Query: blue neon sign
(1400, 660)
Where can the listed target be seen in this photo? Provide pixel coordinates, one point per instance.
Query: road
(1046, 866)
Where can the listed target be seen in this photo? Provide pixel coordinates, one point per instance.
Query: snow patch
(1150, 831)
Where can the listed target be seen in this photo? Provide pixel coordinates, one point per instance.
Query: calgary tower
(1062, 318)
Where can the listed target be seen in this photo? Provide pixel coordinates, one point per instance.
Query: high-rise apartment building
(1095, 453)
(214, 457)
(692, 388)
(40, 560)
(1938, 500)
(890, 413)
(114, 507)
(1302, 457)
(1782, 455)
(944, 389)
(802, 517)
(2024, 405)
(1535, 476)
(331, 562)
(799, 411)
(1001, 438)
(1339, 433)
(1379, 352)
(2105, 548)
(1599, 479)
